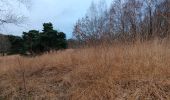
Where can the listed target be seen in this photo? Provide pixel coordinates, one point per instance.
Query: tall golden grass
(139, 71)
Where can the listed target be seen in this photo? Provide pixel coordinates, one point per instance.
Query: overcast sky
(62, 13)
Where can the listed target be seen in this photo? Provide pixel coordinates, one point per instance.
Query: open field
(119, 72)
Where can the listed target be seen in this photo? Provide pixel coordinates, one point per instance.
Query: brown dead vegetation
(119, 72)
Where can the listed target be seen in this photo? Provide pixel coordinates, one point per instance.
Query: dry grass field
(118, 72)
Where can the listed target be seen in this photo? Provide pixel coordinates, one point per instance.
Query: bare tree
(162, 16)
(132, 13)
(93, 25)
(118, 16)
(126, 20)
(7, 15)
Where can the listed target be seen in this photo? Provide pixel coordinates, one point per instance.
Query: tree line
(125, 20)
(33, 41)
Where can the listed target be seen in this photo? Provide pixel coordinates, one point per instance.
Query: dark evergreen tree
(16, 45)
(47, 27)
(52, 39)
(49, 39)
(31, 40)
